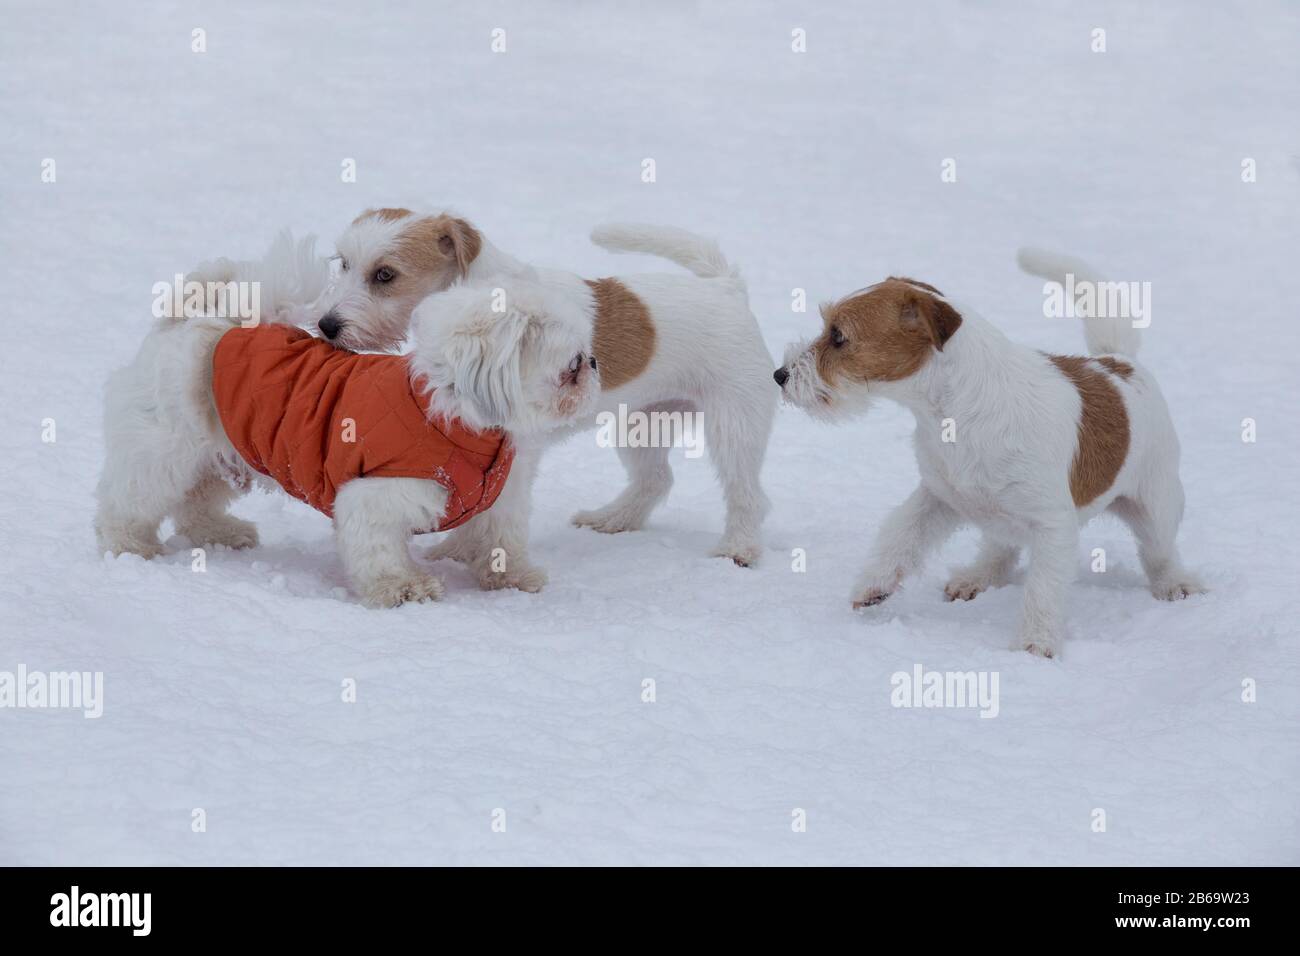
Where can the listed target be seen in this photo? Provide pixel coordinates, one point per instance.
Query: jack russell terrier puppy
(661, 342)
(1036, 445)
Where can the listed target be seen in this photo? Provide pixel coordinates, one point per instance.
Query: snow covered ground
(817, 170)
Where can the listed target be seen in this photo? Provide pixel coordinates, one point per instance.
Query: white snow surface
(817, 171)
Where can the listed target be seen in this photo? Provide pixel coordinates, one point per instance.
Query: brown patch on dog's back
(624, 335)
(388, 214)
(1116, 366)
(1103, 428)
(889, 331)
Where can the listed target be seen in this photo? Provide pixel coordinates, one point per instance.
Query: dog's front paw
(402, 589)
(609, 520)
(870, 598)
(874, 587)
(964, 588)
(144, 549)
(1177, 587)
(1039, 641)
(524, 577)
(743, 554)
(118, 538)
(234, 533)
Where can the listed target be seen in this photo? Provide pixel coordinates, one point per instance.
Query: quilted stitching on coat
(284, 397)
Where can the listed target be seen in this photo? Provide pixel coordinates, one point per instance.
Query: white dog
(177, 445)
(662, 342)
(1024, 445)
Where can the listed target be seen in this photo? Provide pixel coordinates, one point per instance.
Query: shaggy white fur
(168, 455)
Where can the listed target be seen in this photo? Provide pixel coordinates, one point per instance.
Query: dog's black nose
(593, 363)
(781, 376)
(329, 325)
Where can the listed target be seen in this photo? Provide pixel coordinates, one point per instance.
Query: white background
(817, 171)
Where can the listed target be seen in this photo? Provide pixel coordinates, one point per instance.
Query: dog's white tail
(289, 277)
(1104, 334)
(702, 256)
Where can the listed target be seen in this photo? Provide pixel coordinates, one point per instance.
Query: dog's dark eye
(384, 274)
(343, 264)
(837, 337)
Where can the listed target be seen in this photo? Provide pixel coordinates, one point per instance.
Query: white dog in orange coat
(207, 409)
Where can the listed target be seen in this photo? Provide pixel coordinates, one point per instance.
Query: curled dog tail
(286, 279)
(702, 256)
(1103, 333)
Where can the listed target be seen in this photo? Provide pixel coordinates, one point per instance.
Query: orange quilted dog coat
(314, 417)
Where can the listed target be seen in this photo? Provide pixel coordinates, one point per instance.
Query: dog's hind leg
(990, 569)
(120, 533)
(737, 433)
(1154, 517)
(136, 491)
(202, 516)
(650, 477)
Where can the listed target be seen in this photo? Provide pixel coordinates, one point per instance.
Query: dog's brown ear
(937, 317)
(459, 240)
(916, 282)
(387, 214)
